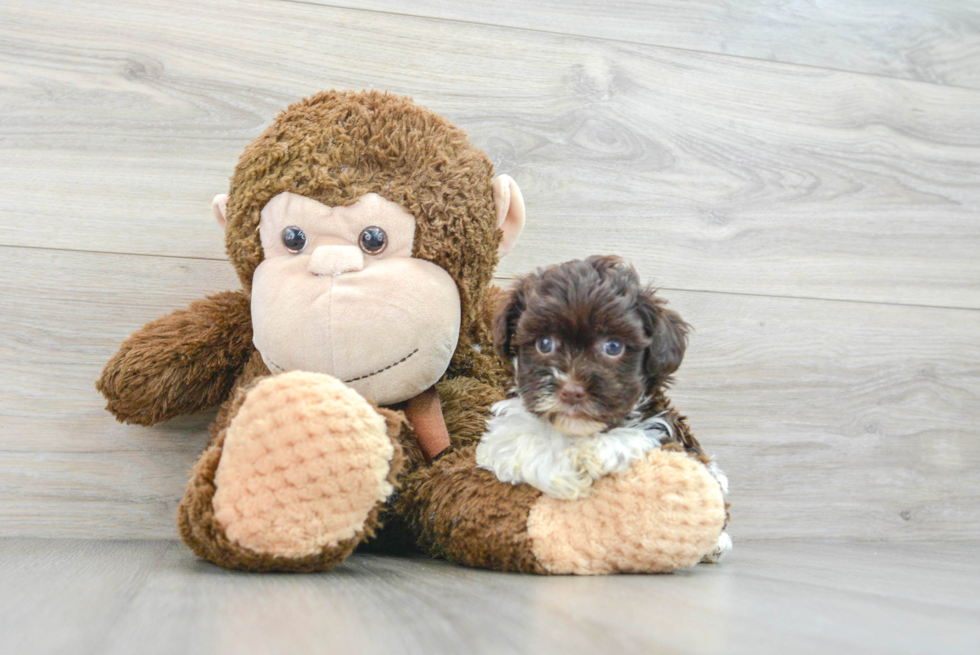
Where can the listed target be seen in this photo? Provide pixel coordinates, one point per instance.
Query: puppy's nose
(334, 260)
(571, 393)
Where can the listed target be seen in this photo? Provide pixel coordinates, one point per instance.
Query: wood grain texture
(832, 419)
(65, 596)
(120, 120)
(84, 597)
(66, 466)
(914, 39)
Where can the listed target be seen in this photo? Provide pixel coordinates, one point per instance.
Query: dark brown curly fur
(579, 307)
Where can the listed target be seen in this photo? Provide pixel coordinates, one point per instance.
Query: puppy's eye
(294, 239)
(373, 240)
(613, 348)
(545, 345)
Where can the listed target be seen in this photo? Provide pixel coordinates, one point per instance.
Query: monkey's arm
(181, 363)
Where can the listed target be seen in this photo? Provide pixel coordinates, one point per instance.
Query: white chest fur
(520, 447)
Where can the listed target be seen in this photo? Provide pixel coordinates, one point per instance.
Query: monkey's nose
(334, 260)
(571, 393)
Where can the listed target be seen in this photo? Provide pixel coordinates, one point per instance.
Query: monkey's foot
(663, 513)
(295, 481)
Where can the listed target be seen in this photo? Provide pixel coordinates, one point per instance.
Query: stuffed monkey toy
(355, 367)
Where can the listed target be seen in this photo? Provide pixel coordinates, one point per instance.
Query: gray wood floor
(83, 596)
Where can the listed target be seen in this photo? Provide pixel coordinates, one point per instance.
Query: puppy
(591, 351)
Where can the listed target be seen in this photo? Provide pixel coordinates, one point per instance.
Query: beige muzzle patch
(388, 330)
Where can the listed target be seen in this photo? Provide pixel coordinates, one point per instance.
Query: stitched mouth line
(382, 370)
(280, 369)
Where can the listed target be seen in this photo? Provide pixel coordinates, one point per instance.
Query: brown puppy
(588, 345)
(591, 351)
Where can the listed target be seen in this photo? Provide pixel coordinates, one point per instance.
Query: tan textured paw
(663, 513)
(305, 461)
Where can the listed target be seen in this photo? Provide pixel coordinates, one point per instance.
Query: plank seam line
(113, 252)
(510, 279)
(604, 39)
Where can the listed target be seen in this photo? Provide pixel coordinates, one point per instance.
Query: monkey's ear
(220, 208)
(509, 308)
(668, 334)
(508, 204)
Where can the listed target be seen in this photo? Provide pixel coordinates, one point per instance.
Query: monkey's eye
(373, 240)
(545, 345)
(294, 239)
(613, 348)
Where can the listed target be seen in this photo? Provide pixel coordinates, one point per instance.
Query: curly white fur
(721, 549)
(521, 447)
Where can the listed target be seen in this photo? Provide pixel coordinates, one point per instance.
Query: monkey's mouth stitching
(381, 370)
(280, 369)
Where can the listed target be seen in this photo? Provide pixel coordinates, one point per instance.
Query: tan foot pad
(662, 514)
(304, 462)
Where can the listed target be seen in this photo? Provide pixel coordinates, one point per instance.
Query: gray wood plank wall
(913, 39)
(809, 203)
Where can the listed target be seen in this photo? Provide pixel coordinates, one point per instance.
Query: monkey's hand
(182, 363)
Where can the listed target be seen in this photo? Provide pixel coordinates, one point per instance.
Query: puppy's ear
(668, 334)
(510, 306)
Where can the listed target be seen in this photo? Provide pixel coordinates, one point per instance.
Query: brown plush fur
(461, 513)
(201, 532)
(182, 363)
(334, 147)
(374, 142)
(465, 405)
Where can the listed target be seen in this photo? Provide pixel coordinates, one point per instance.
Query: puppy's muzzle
(572, 393)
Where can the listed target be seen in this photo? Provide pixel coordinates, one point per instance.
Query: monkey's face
(339, 292)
